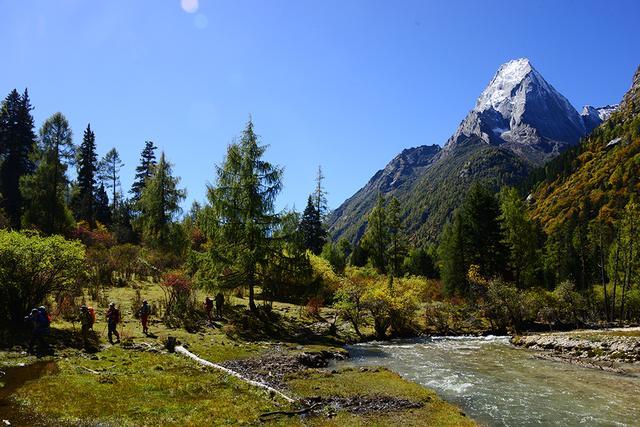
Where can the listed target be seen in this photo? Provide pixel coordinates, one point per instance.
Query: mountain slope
(519, 121)
(602, 176)
(348, 219)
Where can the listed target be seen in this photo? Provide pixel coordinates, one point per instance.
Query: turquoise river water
(500, 385)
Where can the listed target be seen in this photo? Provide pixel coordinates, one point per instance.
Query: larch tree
(109, 173)
(46, 189)
(240, 214)
(320, 195)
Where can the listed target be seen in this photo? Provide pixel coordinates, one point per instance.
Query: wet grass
(372, 383)
(139, 388)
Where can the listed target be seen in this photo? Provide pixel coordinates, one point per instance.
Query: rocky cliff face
(631, 99)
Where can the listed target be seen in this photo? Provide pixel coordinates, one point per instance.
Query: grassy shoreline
(138, 383)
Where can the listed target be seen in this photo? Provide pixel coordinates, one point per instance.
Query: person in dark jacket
(208, 308)
(144, 313)
(41, 327)
(113, 318)
(219, 304)
(86, 321)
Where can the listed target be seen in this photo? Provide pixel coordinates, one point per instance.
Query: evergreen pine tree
(143, 170)
(159, 205)
(84, 202)
(397, 246)
(520, 237)
(313, 232)
(376, 236)
(102, 211)
(358, 256)
(17, 146)
(454, 264)
(241, 215)
(483, 231)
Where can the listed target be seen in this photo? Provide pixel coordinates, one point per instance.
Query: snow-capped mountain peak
(521, 111)
(499, 90)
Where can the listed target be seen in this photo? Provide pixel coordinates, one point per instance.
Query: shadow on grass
(265, 324)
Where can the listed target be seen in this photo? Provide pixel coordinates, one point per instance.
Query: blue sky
(345, 84)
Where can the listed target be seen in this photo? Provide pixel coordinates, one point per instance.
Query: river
(500, 385)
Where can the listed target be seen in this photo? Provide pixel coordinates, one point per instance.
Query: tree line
(36, 191)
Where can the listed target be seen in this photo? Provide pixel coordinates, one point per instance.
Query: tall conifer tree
(313, 233)
(109, 172)
(159, 204)
(376, 237)
(46, 189)
(143, 170)
(85, 198)
(17, 146)
(241, 216)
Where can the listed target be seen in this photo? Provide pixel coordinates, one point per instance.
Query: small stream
(500, 385)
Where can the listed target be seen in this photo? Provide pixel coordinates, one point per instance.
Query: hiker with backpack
(219, 304)
(208, 308)
(86, 320)
(41, 328)
(113, 318)
(144, 313)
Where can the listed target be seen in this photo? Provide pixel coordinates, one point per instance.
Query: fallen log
(180, 349)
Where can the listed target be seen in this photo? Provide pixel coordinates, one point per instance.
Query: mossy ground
(120, 386)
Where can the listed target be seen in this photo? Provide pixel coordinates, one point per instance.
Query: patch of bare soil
(272, 369)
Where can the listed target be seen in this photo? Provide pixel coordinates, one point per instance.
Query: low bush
(33, 268)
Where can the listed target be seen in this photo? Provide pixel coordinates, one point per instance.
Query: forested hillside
(597, 180)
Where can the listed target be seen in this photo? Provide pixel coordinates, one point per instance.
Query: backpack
(45, 317)
(92, 312)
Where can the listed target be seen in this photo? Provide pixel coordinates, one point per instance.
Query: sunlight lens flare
(189, 6)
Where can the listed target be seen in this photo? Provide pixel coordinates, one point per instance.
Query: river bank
(498, 384)
(615, 349)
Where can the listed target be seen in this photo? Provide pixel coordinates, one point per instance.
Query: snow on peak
(598, 115)
(499, 91)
